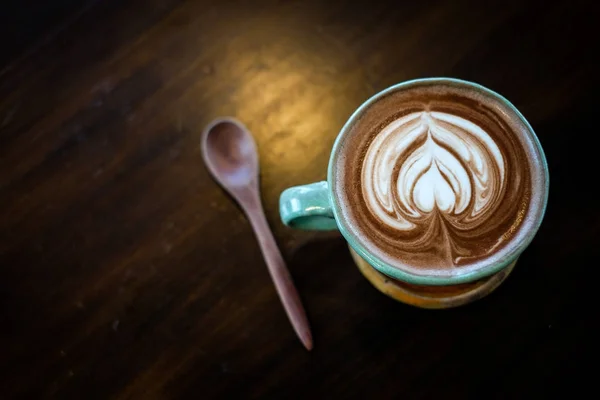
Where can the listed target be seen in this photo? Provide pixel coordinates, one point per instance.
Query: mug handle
(307, 207)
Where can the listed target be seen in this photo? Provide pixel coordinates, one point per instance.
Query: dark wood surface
(127, 273)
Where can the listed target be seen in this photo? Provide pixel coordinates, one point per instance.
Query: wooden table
(127, 273)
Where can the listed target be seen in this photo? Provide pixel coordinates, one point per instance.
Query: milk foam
(439, 179)
(431, 161)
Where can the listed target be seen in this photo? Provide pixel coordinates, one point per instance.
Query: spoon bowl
(230, 153)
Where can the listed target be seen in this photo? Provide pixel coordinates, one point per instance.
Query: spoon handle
(280, 276)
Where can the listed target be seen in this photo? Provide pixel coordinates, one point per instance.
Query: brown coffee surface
(438, 179)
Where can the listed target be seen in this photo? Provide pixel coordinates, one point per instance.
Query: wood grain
(127, 273)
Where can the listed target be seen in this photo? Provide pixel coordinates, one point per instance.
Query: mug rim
(403, 275)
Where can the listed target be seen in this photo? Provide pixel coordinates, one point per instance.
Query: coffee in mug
(437, 184)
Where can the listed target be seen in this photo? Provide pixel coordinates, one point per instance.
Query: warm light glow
(293, 85)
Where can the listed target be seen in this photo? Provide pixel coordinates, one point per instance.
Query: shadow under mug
(314, 207)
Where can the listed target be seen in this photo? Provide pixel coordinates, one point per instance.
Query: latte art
(430, 162)
(435, 179)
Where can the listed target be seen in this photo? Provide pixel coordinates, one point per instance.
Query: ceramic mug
(314, 207)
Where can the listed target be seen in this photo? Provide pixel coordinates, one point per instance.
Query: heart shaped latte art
(428, 164)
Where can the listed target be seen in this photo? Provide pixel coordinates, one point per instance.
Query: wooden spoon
(230, 154)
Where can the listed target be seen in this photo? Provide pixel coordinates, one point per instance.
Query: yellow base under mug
(433, 297)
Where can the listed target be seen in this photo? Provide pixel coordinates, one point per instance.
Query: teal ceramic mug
(316, 207)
